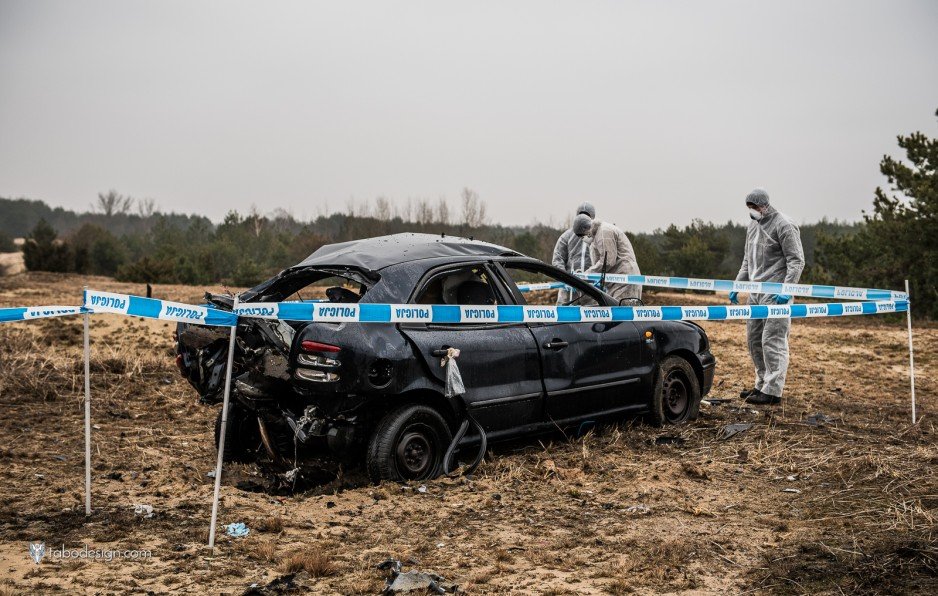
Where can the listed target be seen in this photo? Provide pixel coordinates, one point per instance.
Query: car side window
(577, 294)
(463, 286)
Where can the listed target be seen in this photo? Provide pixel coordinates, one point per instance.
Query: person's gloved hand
(782, 299)
(734, 297)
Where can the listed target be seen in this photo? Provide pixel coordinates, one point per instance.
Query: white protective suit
(773, 253)
(611, 248)
(570, 254)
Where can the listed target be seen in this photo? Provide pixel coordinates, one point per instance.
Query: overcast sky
(657, 112)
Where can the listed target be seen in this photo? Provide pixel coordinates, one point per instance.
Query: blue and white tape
(726, 285)
(152, 308)
(28, 313)
(447, 314)
(125, 304)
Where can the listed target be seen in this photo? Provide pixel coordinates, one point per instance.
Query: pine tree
(43, 251)
(900, 238)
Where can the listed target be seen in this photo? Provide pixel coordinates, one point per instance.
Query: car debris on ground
(639, 509)
(715, 401)
(731, 430)
(290, 583)
(143, 510)
(406, 582)
(819, 419)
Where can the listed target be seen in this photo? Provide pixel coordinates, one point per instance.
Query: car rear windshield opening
(314, 285)
(334, 288)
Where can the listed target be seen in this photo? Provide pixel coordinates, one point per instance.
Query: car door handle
(440, 353)
(556, 344)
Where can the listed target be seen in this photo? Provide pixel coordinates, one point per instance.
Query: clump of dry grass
(504, 556)
(619, 587)
(315, 562)
(266, 550)
(272, 524)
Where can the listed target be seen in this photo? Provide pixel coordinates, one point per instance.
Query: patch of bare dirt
(794, 504)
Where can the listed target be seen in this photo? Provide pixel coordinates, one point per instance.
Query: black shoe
(748, 393)
(764, 399)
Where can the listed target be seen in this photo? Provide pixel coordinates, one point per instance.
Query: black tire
(242, 438)
(408, 444)
(676, 395)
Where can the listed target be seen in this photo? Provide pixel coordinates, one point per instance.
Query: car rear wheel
(676, 397)
(408, 444)
(242, 437)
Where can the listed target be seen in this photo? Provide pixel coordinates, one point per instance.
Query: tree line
(246, 248)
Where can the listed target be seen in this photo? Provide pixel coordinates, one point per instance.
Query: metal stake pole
(87, 415)
(908, 319)
(224, 430)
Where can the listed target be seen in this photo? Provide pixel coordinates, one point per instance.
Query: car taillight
(181, 366)
(315, 346)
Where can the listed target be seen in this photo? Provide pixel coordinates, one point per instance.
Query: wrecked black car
(375, 392)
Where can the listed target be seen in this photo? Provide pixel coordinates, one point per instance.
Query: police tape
(153, 308)
(109, 302)
(451, 314)
(726, 285)
(28, 313)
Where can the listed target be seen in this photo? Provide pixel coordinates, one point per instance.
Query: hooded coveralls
(773, 253)
(610, 247)
(570, 254)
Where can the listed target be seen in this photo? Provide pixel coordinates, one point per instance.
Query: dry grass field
(791, 505)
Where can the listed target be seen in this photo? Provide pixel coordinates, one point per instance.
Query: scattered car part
(819, 419)
(731, 430)
(406, 582)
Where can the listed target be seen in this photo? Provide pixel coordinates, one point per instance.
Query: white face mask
(755, 214)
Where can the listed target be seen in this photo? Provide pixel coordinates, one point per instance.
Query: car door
(499, 363)
(588, 368)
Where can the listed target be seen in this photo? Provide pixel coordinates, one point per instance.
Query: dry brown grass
(266, 550)
(619, 587)
(272, 524)
(314, 562)
(542, 514)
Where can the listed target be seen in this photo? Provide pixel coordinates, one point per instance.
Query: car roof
(383, 251)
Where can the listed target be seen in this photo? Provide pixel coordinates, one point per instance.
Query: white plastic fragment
(143, 510)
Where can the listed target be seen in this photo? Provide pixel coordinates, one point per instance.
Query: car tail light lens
(315, 346)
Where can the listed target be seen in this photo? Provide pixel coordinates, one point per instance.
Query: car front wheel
(676, 397)
(408, 444)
